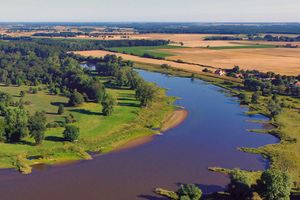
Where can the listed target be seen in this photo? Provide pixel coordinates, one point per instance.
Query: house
(297, 83)
(220, 72)
(239, 76)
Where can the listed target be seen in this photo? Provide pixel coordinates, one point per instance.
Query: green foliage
(22, 93)
(75, 99)
(277, 184)
(37, 127)
(240, 185)
(255, 98)
(71, 133)
(16, 121)
(189, 192)
(2, 130)
(167, 193)
(145, 92)
(61, 109)
(274, 108)
(70, 119)
(108, 104)
(243, 98)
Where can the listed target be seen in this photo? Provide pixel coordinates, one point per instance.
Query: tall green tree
(277, 184)
(16, 121)
(108, 105)
(145, 92)
(37, 127)
(61, 109)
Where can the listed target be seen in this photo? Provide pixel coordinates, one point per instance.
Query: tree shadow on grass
(129, 104)
(54, 139)
(59, 103)
(26, 143)
(52, 113)
(86, 112)
(125, 99)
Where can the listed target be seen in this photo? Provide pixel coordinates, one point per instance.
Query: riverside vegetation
(54, 110)
(262, 96)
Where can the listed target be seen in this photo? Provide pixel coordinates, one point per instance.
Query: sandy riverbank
(171, 121)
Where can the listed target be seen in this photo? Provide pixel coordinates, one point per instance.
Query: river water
(214, 129)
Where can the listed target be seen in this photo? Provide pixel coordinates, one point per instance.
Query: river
(214, 129)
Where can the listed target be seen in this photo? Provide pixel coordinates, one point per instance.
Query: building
(220, 72)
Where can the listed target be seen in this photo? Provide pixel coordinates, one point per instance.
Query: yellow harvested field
(100, 53)
(280, 60)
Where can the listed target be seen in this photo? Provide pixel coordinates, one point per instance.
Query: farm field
(281, 60)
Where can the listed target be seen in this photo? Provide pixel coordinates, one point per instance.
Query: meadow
(98, 133)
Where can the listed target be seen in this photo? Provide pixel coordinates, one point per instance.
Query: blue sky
(151, 10)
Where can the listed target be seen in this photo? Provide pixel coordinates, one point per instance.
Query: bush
(61, 109)
(277, 185)
(76, 99)
(71, 133)
(189, 192)
(108, 105)
(70, 119)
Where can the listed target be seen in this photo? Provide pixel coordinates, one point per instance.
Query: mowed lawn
(155, 51)
(93, 125)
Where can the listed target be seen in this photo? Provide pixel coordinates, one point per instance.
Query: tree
(274, 108)
(108, 105)
(189, 192)
(2, 130)
(145, 92)
(243, 98)
(22, 94)
(75, 99)
(277, 184)
(37, 127)
(240, 185)
(255, 98)
(16, 121)
(71, 133)
(61, 109)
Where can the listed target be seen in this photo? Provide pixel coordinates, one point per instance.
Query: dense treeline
(60, 34)
(274, 38)
(222, 38)
(213, 28)
(84, 44)
(268, 83)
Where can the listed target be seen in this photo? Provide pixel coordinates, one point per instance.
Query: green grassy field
(155, 51)
(97, 132)
(256, 46)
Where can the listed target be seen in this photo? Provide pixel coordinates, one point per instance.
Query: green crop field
(154, 51)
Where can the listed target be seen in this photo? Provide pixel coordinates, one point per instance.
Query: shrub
(71, 133)
(76, 99)
(61, 109)
(277, 185)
